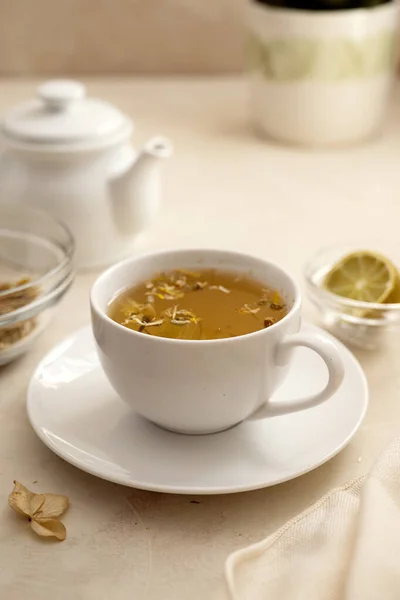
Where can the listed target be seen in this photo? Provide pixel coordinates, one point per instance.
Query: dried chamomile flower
(221, 288)
(42, 510)
(181, 316)
(246, 309)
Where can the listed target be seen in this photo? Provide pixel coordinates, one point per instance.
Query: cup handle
(329, 353)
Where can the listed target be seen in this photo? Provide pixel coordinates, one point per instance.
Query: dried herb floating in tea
(13, 301)
(275, 306)
(180, 316)
(268, 321)
(206, 304)
(246, 309)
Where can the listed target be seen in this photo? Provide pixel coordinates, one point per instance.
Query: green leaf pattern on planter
(337, 59)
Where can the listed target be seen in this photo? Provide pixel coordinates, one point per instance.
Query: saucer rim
(192, 490)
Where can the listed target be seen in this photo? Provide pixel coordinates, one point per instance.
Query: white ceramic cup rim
(210, 252)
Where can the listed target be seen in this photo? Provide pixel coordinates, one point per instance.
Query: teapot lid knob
(62, 114)
(59, 94)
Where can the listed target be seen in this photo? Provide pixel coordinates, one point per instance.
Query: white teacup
(205, 386)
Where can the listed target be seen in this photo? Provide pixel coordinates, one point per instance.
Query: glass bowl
(36, 270)
(364, 325)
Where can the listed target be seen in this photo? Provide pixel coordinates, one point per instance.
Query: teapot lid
(62, 114)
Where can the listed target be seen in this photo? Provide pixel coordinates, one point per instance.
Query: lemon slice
(364, 276)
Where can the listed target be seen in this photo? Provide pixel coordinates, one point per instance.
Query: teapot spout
(135, 193)
(157, 147)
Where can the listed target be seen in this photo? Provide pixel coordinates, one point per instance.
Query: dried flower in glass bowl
(36, 269)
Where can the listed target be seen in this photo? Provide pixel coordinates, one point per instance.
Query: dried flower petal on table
(42, 510)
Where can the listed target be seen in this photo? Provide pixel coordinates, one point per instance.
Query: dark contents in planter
(321, 5)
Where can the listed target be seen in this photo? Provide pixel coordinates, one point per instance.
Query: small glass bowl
(364, 325)
(36, 258)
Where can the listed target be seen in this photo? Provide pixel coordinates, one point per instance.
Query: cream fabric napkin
(345, 547)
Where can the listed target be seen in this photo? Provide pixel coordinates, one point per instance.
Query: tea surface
(203, 305)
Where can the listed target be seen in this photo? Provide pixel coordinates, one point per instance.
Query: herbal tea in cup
(204, 344)
(205, 304)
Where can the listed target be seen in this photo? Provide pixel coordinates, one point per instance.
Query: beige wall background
(120, 36)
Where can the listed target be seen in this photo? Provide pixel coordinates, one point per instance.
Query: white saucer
(75, 412)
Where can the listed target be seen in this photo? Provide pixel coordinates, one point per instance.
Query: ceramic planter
(323, 77)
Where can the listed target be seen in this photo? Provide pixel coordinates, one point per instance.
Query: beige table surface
(224, 188)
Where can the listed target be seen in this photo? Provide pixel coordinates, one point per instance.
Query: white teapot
(71, 156)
